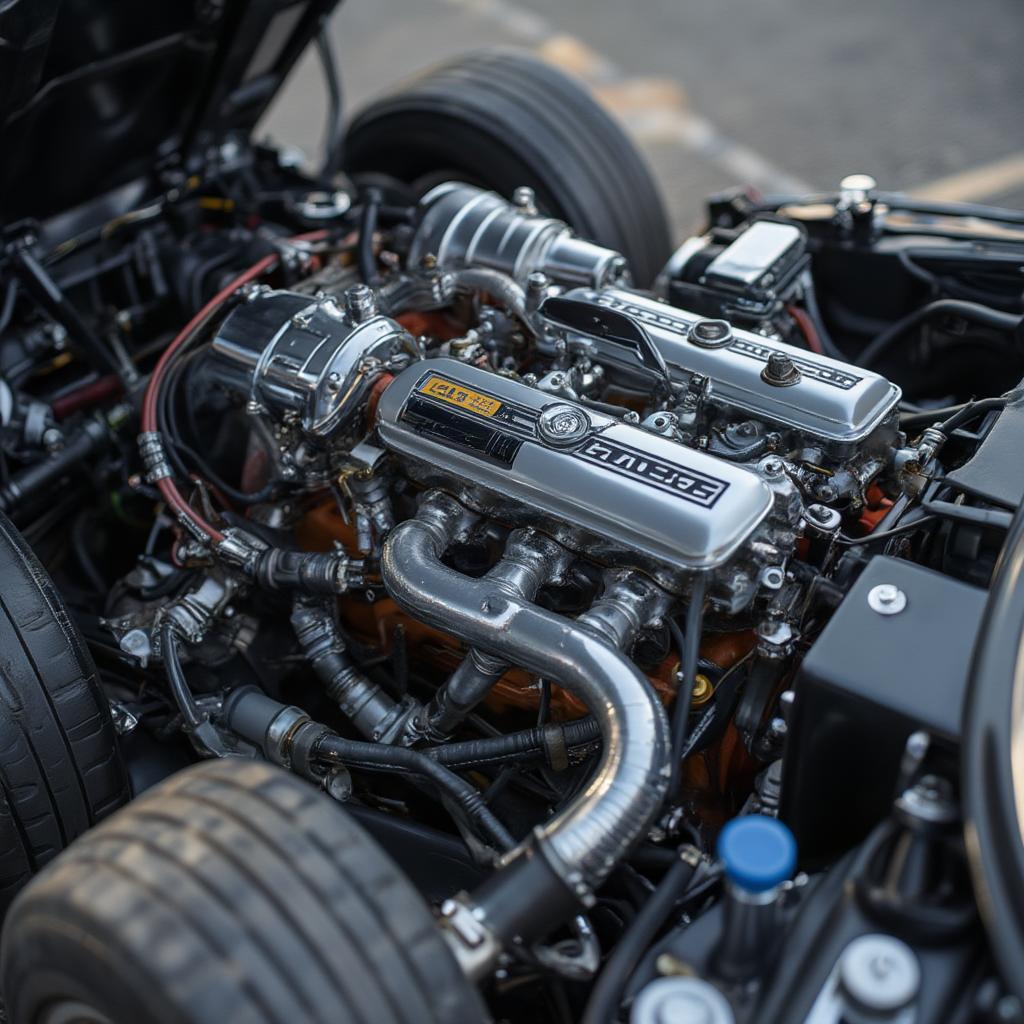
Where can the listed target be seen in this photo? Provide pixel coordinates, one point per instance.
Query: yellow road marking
(573, 55)
(976, 182)
(642, 95)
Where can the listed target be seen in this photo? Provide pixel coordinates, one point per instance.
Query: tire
(499, 119)
(231, 892)
(60, 770)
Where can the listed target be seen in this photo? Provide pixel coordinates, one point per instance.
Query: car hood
(96, 93)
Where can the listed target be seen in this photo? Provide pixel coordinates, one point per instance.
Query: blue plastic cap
(757, 852)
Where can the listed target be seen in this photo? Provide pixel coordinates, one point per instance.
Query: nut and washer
(780, 371)
(887, 599)
(879, 974)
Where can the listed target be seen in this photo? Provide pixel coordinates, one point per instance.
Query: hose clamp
(151, 448)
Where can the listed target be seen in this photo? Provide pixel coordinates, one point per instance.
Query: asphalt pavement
(925, 95)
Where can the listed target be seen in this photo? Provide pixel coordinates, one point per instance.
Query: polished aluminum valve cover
(549, 460)
(822, 398)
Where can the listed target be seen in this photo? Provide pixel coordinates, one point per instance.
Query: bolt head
(858, 183)
(524, 198)
(887, 599)
(879, 973)
(780, 371)
(360, 303)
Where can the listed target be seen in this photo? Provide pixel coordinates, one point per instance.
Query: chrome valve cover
(820, 398)
(511, 448)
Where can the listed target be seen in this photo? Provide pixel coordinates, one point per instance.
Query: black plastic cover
(866, 684)
(995, 471)
(93, 95)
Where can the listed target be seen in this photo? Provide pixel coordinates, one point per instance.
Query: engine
(658, 615)
(723, 450)
(457, 522)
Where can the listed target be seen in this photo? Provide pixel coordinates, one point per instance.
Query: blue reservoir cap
(757, 852)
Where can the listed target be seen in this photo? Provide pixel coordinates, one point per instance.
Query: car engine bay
(632, 615)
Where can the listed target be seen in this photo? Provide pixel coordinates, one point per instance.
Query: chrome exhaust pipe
(582, 844)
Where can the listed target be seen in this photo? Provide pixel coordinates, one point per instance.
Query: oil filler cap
(711, 333)
(681, 1001)
(757, 852)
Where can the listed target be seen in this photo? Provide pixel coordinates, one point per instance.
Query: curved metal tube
(585, 841)
(530, 561)
(502, 287)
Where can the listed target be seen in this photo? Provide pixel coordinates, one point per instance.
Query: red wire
(167, 486)
(86, 395)
(806, 325)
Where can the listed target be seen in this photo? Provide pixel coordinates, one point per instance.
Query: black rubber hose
(334, 151)
(516, 746)
(828, 346)
(899, 201)
(689, 660)
(367, 229)
(176, 678)
(948, 418)
(877, 535)
(914, 418)
(973, 311)
(89, 439)
(990, 784)
(7, 310)
(374, 757)
(606, 995)
(969, 411)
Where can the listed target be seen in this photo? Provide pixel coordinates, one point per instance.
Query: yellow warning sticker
(456, 394)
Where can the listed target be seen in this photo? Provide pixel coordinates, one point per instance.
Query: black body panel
(93, 95)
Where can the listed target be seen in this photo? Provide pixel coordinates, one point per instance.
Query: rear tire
(499, 119)
(60, 770)
(231, 892)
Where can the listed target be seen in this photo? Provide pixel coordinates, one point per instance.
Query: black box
(866, 684)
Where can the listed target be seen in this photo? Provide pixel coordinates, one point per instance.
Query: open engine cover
(559, 461)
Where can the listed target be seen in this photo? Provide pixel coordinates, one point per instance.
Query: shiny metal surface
(639, 492)
(585, 841)
(305, 358)
(530, 560)
(680, 1001)
(461, 225)
(831, 400)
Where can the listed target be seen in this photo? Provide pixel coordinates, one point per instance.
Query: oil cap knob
(681, 1001)
(780, 371)
(758, 853)
(879, 974)
(711, 333)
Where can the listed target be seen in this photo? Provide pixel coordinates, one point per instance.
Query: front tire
(60, 768)
(499, 119)
(231, 892)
